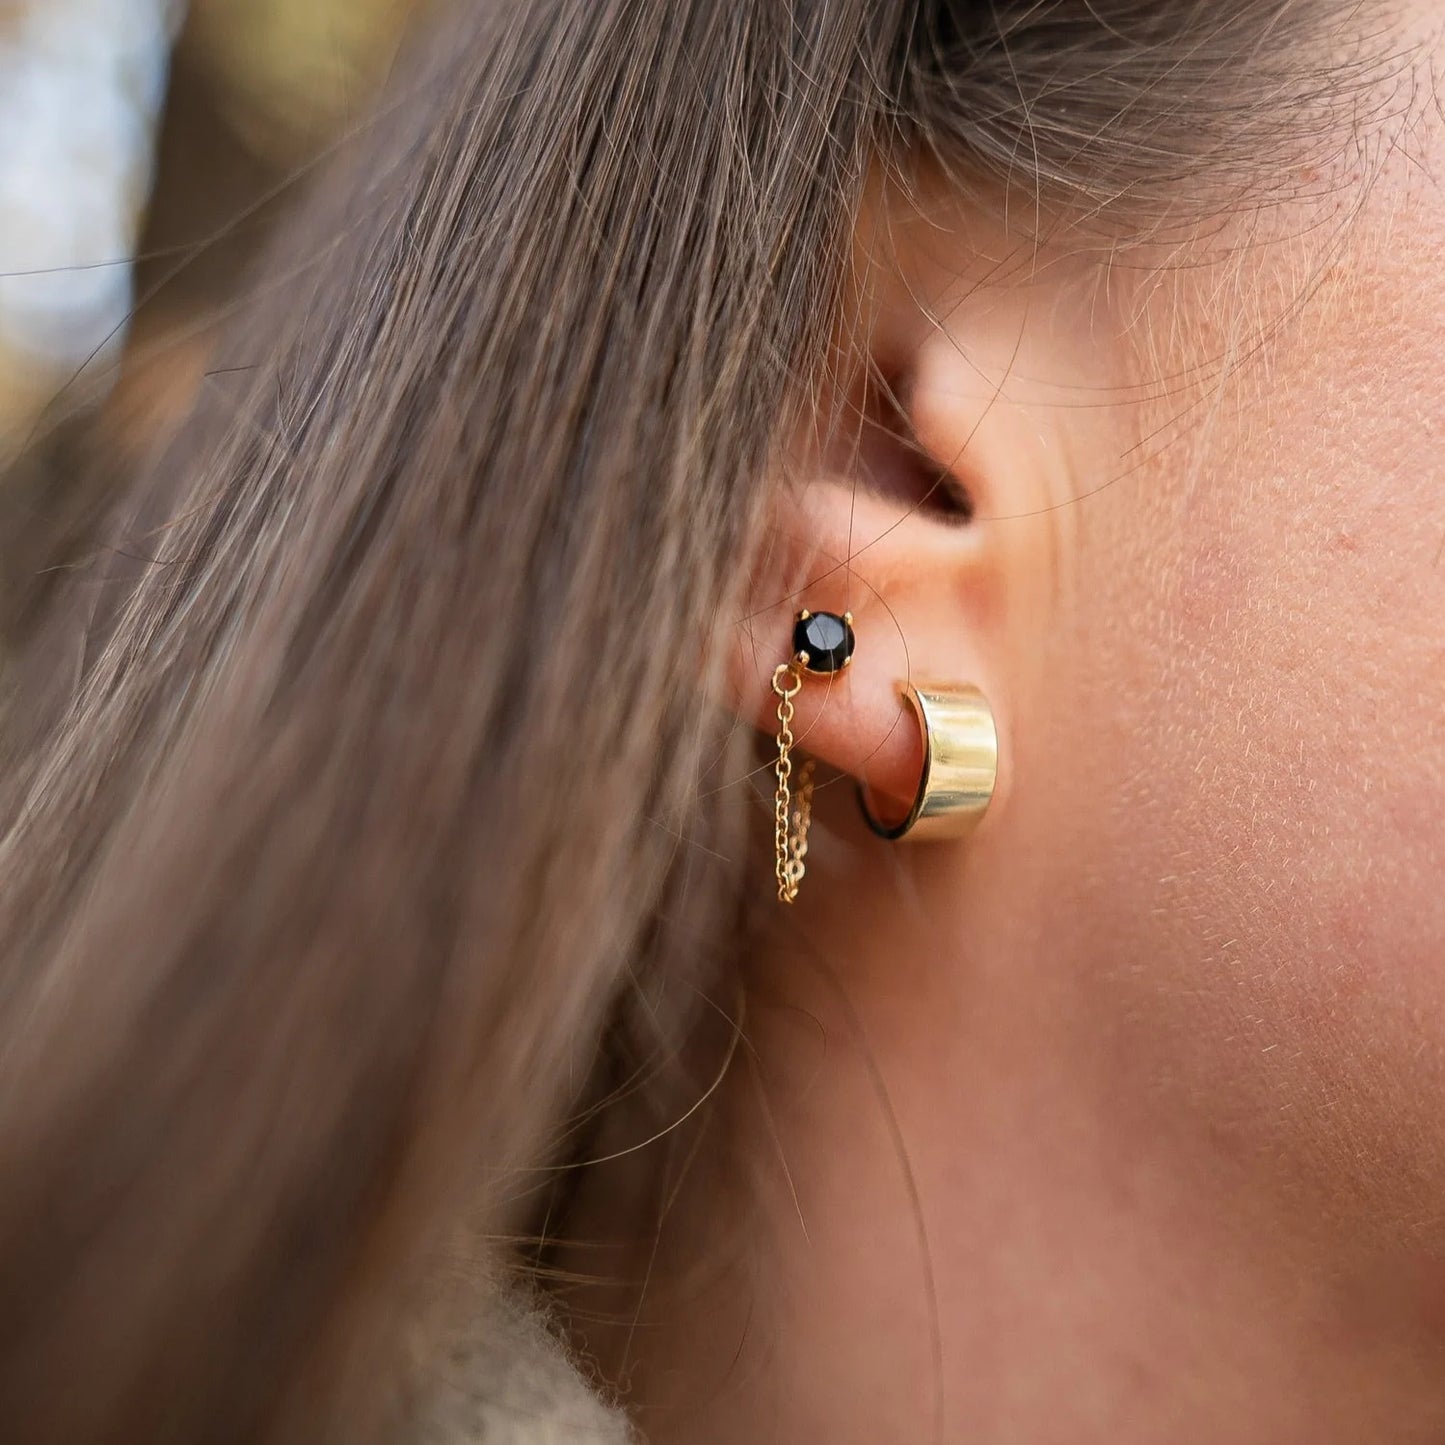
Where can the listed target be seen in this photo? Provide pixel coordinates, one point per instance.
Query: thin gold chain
(791, 824)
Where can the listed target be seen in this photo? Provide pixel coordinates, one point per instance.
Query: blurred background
(148, 148)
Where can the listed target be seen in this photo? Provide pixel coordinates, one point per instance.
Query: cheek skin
(1127, 1122)
(1266, 918)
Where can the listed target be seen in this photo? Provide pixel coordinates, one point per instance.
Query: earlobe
(955, 731)
(866, 605)
(843, 666)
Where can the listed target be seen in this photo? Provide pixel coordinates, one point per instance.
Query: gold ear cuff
(960, 753)
(960, 765)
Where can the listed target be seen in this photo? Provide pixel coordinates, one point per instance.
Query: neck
(1072, 1245)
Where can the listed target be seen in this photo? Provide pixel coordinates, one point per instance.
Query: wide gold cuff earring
(960, 765)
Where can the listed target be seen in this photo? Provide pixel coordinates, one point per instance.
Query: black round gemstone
(826, 638)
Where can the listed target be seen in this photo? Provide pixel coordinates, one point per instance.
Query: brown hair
(374, 796)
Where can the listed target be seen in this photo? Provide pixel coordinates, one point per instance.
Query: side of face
(1228, 816)
(1259, 611)
(1131, 1112)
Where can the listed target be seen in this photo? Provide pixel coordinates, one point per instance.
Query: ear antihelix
(960, 752)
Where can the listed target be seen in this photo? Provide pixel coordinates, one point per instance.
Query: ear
(938, 514)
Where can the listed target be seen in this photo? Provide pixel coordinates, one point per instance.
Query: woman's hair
(374, 800)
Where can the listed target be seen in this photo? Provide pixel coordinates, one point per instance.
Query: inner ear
(883, 451)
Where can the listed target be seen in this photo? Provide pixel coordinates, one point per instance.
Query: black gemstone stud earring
(823, 644)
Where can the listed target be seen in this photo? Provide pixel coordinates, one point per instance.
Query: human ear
(939, 512)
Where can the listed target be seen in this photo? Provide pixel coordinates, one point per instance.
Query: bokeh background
(147, 147)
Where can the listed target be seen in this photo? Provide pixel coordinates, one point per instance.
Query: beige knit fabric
(508, 1381)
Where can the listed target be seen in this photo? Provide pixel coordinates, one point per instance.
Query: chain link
(791, 823)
